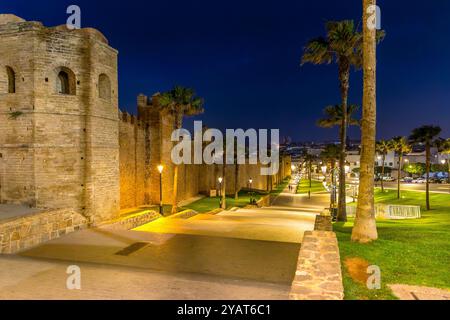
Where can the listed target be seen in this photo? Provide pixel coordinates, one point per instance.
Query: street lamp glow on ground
(160, 170)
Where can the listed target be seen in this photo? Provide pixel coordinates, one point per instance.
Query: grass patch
(303, 186)
(414, 252)
(208, 204)
(279, 189)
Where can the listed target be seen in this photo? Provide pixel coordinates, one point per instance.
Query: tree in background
(427, 135)
(401, 147)
(383, 147)
(180, 102)
(415, 169)
(329, 157)
(444, 148)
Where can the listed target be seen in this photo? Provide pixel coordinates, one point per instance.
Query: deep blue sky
(243, 58)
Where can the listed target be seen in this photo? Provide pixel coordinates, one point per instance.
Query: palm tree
(333, 117)
(365, 229)
(329, 156)
(383, 147)
(180, 102)
(342, 45)
(401, 146)
(308, 160)
(426, 135)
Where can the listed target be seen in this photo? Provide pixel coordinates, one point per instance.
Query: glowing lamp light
(347, 169)
(324, 169)
(443, 161)
(220, 180)
(293, 168)
(250, 181)
(160, 168)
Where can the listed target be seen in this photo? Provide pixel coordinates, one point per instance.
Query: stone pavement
(24, 278)
(406, 292)
(243, 254)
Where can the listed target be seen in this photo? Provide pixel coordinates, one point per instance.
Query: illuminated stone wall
(58, 149)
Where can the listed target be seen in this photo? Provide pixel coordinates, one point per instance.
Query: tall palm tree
(383, 147)
(365, 229)
(180, 102)
(426, 135)
(342, 45)
(401, 147)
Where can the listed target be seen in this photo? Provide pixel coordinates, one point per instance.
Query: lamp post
(220, 191)
(160, 169)
(443, 161)
(250, 181)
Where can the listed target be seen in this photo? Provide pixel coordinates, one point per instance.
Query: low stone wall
(323, 223)
(265, 201)
(186, 214)
(131, 220)
(319, 274)
(18, 234)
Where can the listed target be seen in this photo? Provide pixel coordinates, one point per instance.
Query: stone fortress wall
(59, 141)
(65, 144)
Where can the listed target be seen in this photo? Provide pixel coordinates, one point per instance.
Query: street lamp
(324, 170)
(443, 161)
(250, 182)
(160, 169)
(347, 169)
(220, 191)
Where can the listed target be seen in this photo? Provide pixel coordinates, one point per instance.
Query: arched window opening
(104, 87)
(11, 80)
(65, 81)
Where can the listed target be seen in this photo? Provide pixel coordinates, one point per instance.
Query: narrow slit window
(11, 80)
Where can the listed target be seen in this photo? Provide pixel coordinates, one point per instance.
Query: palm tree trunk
(344, 76)
(178, 125)
(399, 174)
(365, 229)
(428, 152)
(382, 173)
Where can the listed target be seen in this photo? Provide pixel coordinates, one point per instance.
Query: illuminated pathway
(243, 254)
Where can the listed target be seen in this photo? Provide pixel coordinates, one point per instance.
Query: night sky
(244, 58)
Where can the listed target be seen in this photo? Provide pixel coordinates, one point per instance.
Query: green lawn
(414, 252)
(303, 186)
(283, 185)
(208, 204)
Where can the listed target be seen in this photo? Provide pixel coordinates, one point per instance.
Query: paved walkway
(243, 254)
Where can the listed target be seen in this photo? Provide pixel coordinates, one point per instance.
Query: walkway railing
(388, 211)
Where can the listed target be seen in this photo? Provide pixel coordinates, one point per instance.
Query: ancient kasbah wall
(62, 150)
(132, 161)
